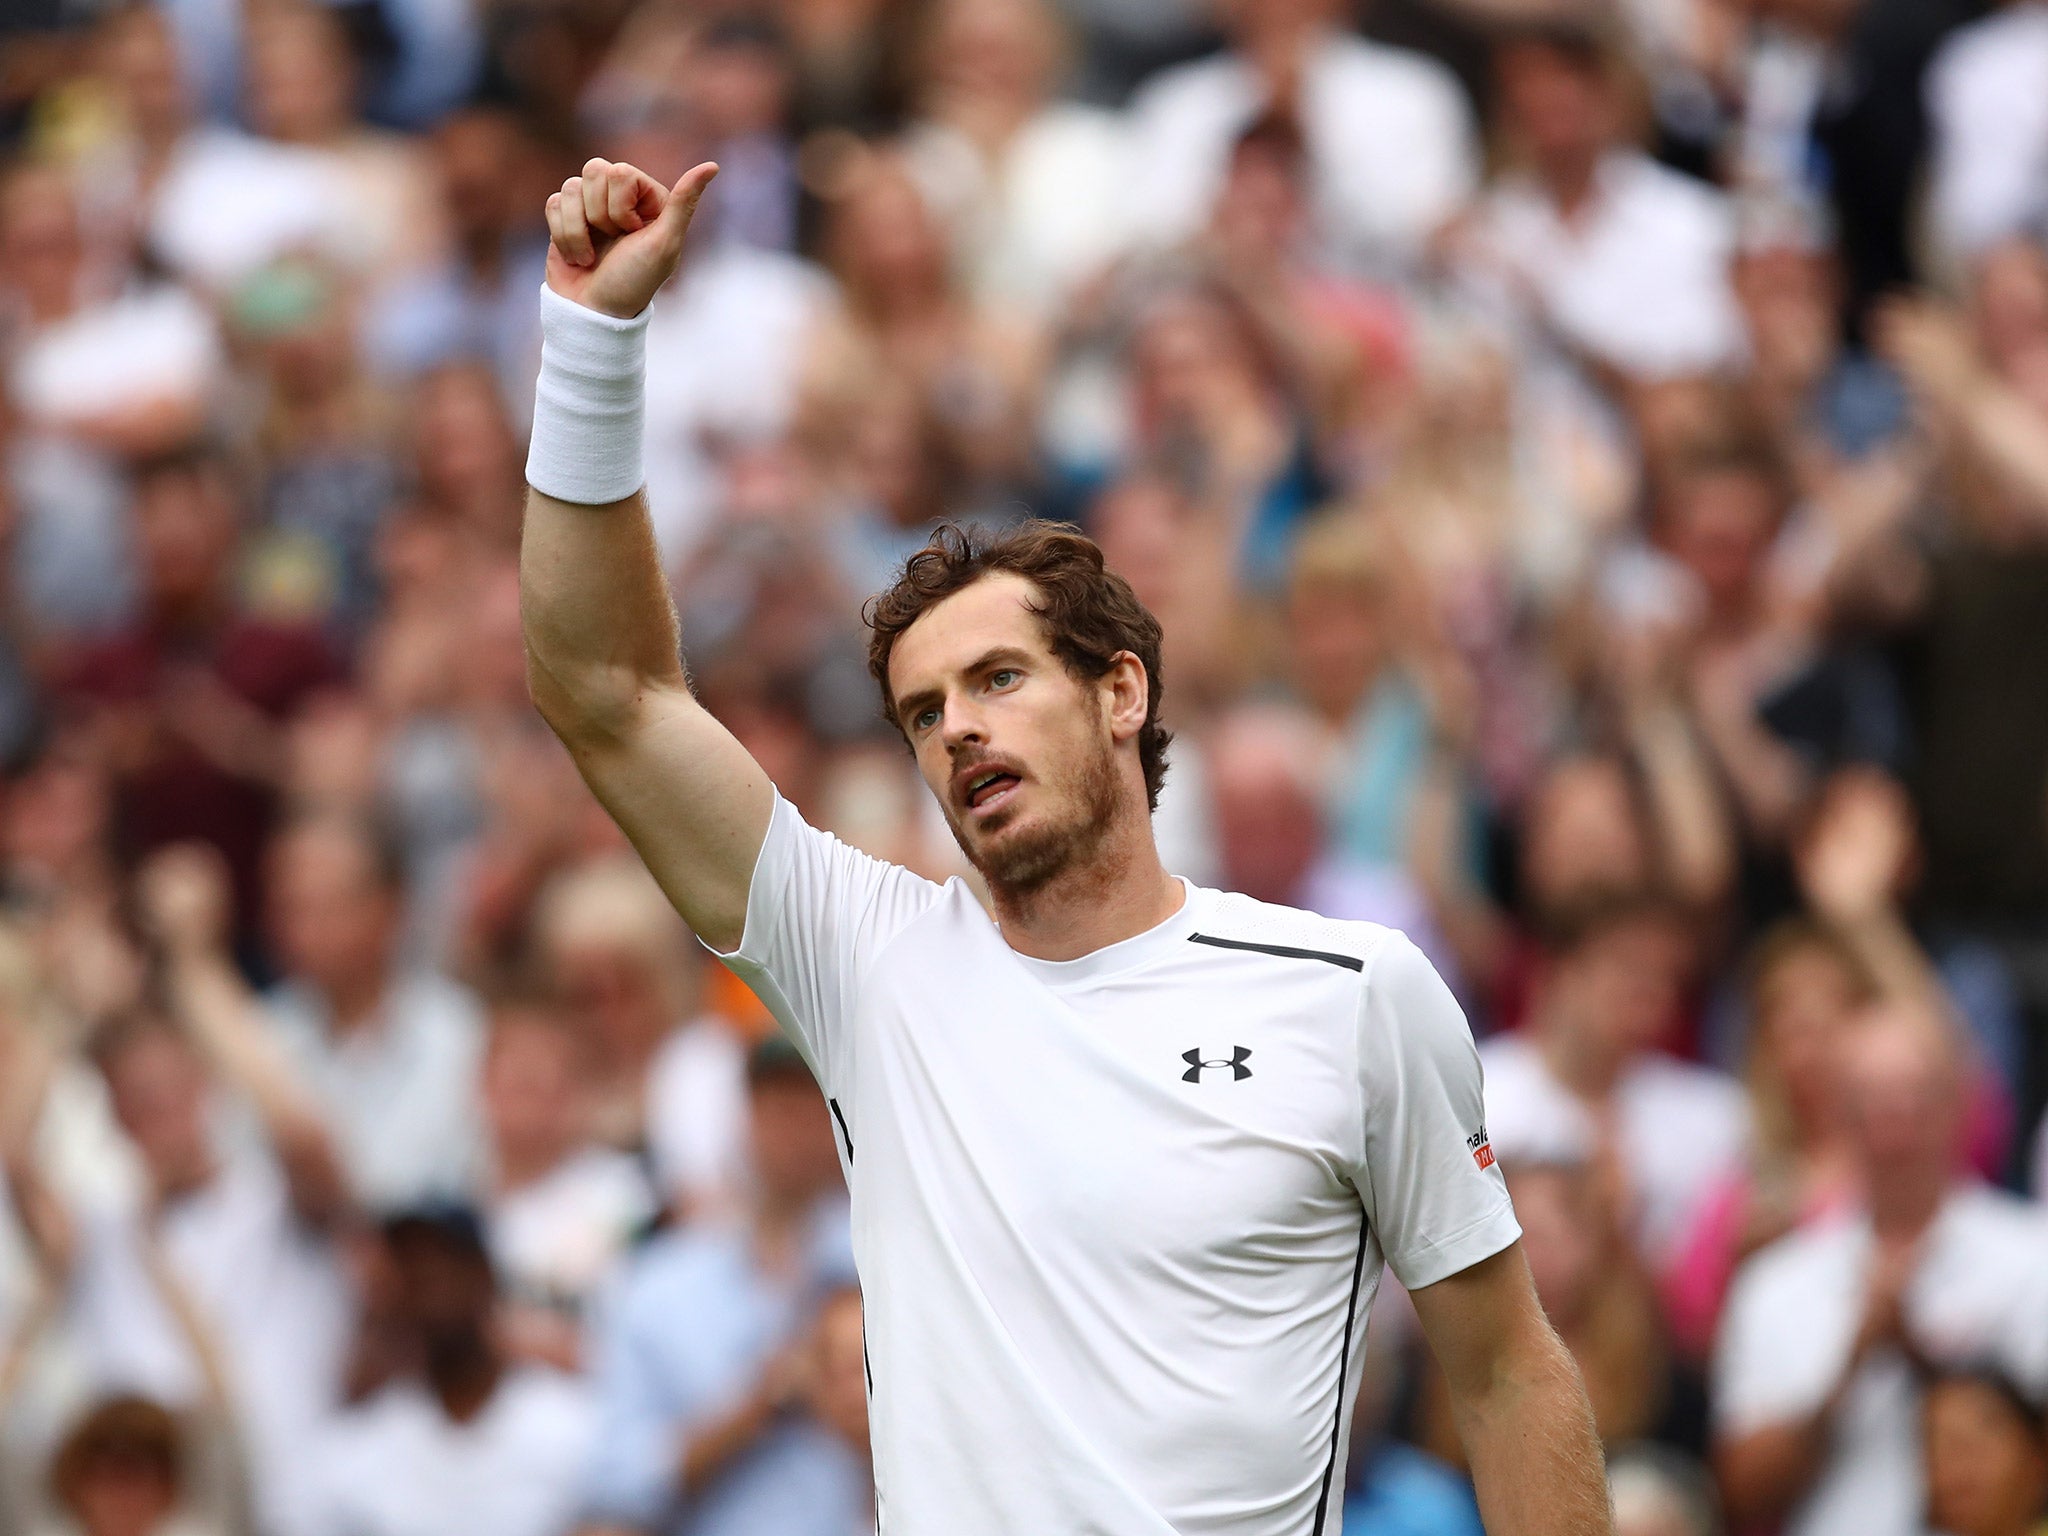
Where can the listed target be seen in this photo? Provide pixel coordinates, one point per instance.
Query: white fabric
(589, 403)
(725, 354)
(1101, 1297)
(1682, 1129)
(147, 346)
(398, 1466)
(400, 1089)
(1980, 1294)
(1987, 105)
(554, 1241)
(1392, 146)
(1049, 214)
(230, 203)
(697, 1112)
(270, 1291)
(1639, 279)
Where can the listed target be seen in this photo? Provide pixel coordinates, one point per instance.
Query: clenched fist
(617, 234)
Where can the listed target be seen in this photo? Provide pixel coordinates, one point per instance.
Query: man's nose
(963, 725)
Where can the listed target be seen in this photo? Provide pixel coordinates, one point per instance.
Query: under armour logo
(1239, 1055)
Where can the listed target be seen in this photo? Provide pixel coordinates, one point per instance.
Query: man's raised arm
(603, 655)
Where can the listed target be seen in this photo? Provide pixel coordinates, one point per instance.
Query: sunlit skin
(1063, 830)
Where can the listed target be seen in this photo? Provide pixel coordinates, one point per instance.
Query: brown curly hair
(1090, 613)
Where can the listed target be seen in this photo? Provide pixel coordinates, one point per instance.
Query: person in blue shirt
(709, 1357)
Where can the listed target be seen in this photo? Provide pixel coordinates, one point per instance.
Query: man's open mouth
(985, 789)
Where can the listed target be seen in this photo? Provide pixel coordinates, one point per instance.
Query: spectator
(561, 1209)
(477, 303)
(1658, 1492)
(125, 1470)
(1987, 1455)
(1390, 138)
(668, 1084)
(1589, 1063)
(706, 1426)
(1266, 767)
(1816, 1417)
(461, 1438)
(195, 691)
(224, 1289)
(1619, 261)
(1989, 131)
(390, 1053)
(1805, 991)
(1029, 186)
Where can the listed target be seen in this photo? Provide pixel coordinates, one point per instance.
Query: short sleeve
(817, 913)
(1431, 1188)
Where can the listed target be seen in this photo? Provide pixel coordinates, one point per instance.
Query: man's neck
(1119, 893)
(353, 1004)
(1904, 1206)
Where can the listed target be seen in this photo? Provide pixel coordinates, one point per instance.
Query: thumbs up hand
(616, 234)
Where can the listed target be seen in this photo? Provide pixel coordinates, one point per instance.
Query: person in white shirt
(391, 1053)
(1988, 117)
(463, 1440)
(1393, 151)
(561, 1207)
(1128, 1160)
(224, 1285)
(1817, 1421)
(1592, 245)
(1590, 1063)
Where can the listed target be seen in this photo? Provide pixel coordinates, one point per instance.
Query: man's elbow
(588, 707)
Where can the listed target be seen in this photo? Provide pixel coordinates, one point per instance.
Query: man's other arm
(1520, 1406)
(603, 650)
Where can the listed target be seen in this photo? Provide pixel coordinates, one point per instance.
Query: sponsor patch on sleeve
(1482, 1148)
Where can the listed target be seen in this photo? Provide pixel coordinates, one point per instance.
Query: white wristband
(588, 403)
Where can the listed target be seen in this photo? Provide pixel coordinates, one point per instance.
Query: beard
(1067, 837)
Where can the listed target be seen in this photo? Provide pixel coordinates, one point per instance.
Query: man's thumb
(683, 196)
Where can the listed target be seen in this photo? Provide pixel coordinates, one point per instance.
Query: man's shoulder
(1232, 921)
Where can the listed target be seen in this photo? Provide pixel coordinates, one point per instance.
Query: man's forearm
(600, 626)
(1536, 1458)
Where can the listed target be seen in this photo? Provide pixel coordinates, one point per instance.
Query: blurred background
(1591, 461)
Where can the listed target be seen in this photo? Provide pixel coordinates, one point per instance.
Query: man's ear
(1128, 695)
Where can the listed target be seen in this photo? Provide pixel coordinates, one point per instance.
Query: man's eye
(926, 719)
(1004, 678)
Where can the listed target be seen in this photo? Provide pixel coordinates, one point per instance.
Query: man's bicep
(1435, 1197)
(1479, 1316)
(695, 805)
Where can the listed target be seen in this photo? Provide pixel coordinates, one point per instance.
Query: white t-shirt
(1988, 111)
(1639, 278)
(272, 1294)
(148, 345)
(398, 1466)
(1392, 148)
(400, 1090)
(1683, 1129)
(1119, 1220)
(554, 1241)
(1980, 1294)
(697, 1112)
(231, 203)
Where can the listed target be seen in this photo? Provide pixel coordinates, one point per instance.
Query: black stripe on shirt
(1349, 962)
(1343, 1364)
(843, 1131)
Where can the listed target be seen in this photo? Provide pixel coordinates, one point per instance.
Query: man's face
(331, 920)
(1903, 1097)
(1019, 752)
(795, 1157)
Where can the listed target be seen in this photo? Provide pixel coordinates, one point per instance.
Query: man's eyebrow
(910, 704)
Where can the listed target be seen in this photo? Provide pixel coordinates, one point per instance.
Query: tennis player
(1128, 1158)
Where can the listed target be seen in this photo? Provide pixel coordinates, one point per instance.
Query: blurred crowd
(1591, 461)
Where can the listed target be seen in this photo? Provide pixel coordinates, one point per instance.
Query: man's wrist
(589, 403)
